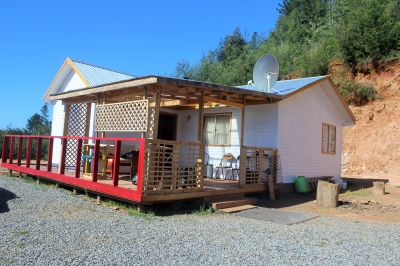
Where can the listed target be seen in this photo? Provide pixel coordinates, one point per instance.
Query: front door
(167, 126)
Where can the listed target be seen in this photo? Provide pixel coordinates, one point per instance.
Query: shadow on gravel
(283, 201)
(5, 196)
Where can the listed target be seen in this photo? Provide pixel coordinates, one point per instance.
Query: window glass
(216, 129)
(328, 138)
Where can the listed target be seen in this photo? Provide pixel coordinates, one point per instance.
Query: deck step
(238, 208)
(229, 202)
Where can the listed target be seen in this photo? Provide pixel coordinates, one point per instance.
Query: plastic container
(338, 181)
(301, 184)
(344, 185)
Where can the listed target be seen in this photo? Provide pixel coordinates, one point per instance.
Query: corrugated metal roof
(96, 76)
(285, 87)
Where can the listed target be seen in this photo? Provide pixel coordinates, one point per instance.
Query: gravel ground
(46, 226)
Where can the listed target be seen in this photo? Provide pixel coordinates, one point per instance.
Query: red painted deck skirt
(21, 147)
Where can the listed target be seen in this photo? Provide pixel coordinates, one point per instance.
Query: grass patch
(86, 193)
(21, 245)
(128, 209)
(203, 210)
(397, 186)
(28, 179)
(23, 232)
(46, 184)
(361, 192)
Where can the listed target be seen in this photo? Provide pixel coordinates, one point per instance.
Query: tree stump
(379, 188)
(327, 194)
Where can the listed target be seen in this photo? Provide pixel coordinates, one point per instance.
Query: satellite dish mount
(266, 72)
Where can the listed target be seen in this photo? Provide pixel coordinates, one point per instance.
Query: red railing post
(61, 167)
(140, 174)
(19, 156)
(5, 149)
(95, 160)
(115, 170)
(50, 154)
(28, 152)
(11, 156)
(38, 152)
(78, 158)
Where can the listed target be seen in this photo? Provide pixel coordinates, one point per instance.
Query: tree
(39, 124)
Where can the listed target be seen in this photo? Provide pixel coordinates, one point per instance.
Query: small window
(216, 129)
(328, 138)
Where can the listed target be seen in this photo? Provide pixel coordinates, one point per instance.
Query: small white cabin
(302, 118)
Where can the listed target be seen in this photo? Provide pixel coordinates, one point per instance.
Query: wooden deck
(154, 183)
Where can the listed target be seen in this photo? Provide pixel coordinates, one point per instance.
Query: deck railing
(19, 150)
(173, 167)
(163, 167)
(259, 166)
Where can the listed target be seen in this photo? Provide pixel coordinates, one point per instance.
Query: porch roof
(175, 93)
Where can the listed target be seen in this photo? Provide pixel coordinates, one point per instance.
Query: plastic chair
(226, 163)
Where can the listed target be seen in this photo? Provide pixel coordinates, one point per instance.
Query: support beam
(103, 133)
(156, 114)
(143, 135)
(242, 152)
(217, 100)
(201, 118)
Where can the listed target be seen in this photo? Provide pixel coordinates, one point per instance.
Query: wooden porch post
(61, 164)
(242, 152)
(143, 135)
(156, 114)
(201, 117)
(87, 126)
(200, 139)
(103, 133)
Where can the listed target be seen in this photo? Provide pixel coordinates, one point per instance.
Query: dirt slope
(371, 146)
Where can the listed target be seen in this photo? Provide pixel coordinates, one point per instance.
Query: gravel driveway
(46, 226)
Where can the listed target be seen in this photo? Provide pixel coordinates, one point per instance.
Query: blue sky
(134, 37)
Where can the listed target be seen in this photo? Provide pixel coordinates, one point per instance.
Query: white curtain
(209, 129)
(222, 129)
(216, 129)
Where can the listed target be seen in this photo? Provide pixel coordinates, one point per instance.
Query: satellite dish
(266, 72)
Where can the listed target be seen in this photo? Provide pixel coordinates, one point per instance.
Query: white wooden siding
(300, 135)
(261, 124)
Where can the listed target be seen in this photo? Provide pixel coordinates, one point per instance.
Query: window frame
(328, 139)
(230, 129)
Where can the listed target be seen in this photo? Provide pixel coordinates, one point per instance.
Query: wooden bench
(312, 182)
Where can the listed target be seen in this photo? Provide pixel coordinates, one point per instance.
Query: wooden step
(238, 208)
(231, 202)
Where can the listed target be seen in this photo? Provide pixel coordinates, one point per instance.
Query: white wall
(300, 135)
(72, 82)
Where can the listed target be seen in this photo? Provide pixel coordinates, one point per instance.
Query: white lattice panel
(128, 116)
(76, 127)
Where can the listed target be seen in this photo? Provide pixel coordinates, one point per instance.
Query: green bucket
(301, 184)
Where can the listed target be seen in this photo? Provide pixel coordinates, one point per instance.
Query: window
(216, 129)
(328, 138)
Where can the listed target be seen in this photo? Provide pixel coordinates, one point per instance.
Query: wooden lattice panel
(257, 164)
(127, 116)
(76, 127)
(172, 167)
